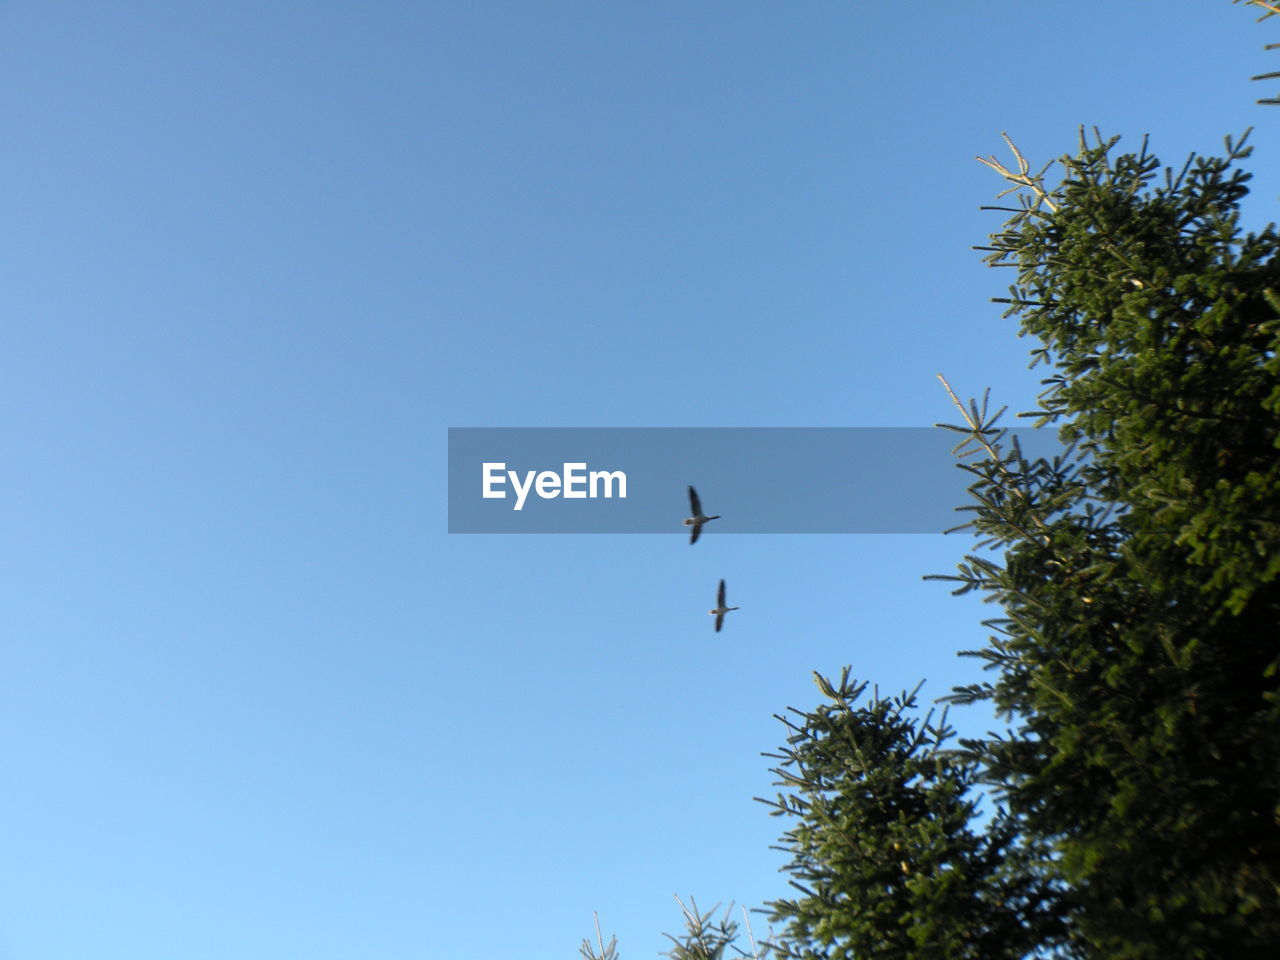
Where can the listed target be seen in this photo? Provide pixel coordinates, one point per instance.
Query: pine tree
(1137, 660)
(1139, 651)
(885, 852)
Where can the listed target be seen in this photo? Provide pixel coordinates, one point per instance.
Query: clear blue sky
(256, 258)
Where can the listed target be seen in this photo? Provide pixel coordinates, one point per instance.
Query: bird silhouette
(698, 519)
(720, 609)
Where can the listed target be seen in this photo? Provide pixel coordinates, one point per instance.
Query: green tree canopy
(1136, 660)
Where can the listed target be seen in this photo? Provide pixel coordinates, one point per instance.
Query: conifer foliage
(1139, 650)
(1136, 660)
(885, 853)
(1137, 657)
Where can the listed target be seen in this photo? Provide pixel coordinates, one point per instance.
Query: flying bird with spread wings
(698, 519)
(720, 609)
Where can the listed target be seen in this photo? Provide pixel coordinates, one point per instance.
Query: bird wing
(694, 503)
(719, 621)
(697, 529)
(720, 595)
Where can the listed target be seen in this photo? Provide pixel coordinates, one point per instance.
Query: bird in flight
(720, 609)
(697, 520)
